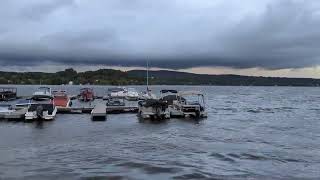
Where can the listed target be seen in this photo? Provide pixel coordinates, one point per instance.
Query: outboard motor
(39, 111)
(198, 113)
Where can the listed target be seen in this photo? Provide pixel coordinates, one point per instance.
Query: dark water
(251, 133)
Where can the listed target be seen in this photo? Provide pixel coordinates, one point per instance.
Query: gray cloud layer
(171, 33)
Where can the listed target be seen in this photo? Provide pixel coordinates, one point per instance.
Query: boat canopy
(152, 103)
(188, 93)
(169, 91)
(170, 98)
(8, 89)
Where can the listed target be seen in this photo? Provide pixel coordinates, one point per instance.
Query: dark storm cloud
(177, 34)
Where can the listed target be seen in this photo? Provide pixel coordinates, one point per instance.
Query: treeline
(100, 77)
(138, 77)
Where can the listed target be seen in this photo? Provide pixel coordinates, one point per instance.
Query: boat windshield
(132, 89)
(44, 89)
(193, 99)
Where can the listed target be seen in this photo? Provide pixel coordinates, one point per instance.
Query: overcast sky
(271, 35)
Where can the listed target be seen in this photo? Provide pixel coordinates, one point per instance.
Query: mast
(147, 75)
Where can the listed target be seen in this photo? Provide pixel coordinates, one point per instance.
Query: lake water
(251, 132)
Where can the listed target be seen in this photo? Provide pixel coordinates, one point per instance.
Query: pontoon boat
(189, 104)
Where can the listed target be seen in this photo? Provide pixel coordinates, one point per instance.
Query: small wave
(255, 157)
(226, 109)
(261, 110)
(104, 177)
(222, 157)
(192, 176)
(150, 169)
(314, 109)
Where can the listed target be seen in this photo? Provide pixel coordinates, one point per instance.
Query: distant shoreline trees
(137, 77)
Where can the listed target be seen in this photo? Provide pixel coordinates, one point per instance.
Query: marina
(45, 103)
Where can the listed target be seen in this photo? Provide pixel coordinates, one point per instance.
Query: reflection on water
(251, 133)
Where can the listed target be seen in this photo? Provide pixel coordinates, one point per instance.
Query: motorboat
(114, 101)
(8, 112)
(153, 109)
(189, 104)
(6, 108)
(118, 92)
(132, 95)
(147, 95)
(24, 103)
(43, 93)
(8, 93)
(41, 111)
(170, 97)
(61, 99)
(86, 94)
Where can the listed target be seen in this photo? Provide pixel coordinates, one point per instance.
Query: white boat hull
(152, 113)
(29, 116)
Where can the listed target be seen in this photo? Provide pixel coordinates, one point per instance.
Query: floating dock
(108, 109)
(99, 113)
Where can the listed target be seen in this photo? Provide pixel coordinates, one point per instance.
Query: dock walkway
(108, 109)
(99, 113)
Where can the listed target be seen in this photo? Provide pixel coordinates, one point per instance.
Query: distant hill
(138, 77)
(176, 78)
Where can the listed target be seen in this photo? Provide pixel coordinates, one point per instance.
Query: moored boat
(24, 103)
(153, 109)
(41, 111)
(132, 95)
(115, 102)
(8, 93)
(147, 95)
(43, 93)
(118, 92)
(86, 94)
(189, 104)
(5, 108)
(170, 96)
(8, 112)
(61, 99)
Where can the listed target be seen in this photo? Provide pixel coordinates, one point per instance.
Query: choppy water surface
(251, 132)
